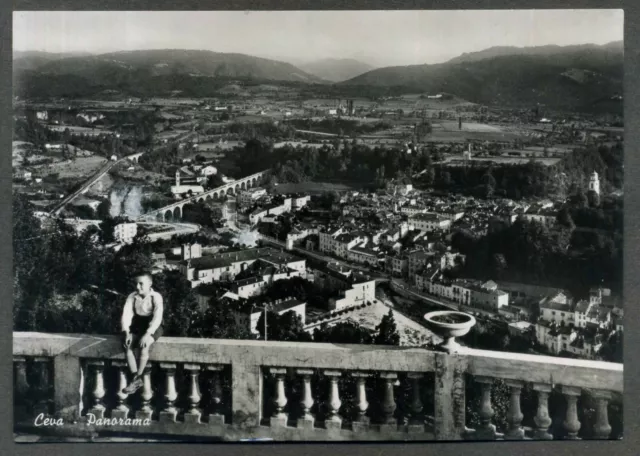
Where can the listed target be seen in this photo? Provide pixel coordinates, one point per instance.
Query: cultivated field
(312, 187)
(171, 134)
(79, 168)
(504, 160)
(79, 130)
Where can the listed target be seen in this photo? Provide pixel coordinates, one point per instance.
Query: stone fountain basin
(447, 329)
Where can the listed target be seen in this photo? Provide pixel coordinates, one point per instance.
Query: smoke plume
(126, 202)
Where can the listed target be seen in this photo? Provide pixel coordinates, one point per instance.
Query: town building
(124, 233)
(429, 222)
(594, 183)
(250, 196)
(225, 266)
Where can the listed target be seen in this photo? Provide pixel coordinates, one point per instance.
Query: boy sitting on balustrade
(141, 327)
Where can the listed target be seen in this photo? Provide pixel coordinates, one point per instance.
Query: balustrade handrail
(505, 365)
(73, 357)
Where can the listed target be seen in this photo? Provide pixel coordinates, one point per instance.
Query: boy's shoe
(134, 386)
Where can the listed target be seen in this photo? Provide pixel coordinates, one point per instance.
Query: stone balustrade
(239, 389)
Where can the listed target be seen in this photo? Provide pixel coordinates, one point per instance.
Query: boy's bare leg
(131, 360)
(144, 359)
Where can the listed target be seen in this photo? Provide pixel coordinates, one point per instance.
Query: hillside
(31, 60)
(574, 78)
(336, 70)
(550, 50)
(138, 70)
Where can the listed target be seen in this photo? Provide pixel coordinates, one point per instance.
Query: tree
(580, 200)
(344, 332)
(285, 327)
(564, 218)
(182, 315)
(593, 198)
(220, 322)
(387, 332)
(104, 210)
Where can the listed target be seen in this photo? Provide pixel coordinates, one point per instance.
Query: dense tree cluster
(68, 282)
(530, 252)
(337, 126)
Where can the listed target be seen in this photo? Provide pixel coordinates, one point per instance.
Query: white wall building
(125, 232)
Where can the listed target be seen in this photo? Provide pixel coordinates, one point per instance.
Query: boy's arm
(158, 308)
(127, 314)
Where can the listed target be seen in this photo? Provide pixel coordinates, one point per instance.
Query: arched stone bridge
(173, 212)
(135, 157)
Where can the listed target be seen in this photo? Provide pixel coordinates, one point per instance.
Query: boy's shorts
(138, 328)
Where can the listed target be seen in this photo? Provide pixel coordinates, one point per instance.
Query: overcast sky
(379, 38)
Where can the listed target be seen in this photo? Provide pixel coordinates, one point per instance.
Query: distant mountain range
(571, 76)
(549, 50)
(31, 60)
(574, 77)
(336, 70)
(104, 67)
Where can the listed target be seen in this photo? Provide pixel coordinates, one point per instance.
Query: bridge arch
(237, 188)
(242, 186)
(200, 200)
(168, 216)
(177, 213)
(253, 181)
(208, 197)
(229, 190)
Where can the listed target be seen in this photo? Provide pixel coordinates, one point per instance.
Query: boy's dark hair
(144, 274)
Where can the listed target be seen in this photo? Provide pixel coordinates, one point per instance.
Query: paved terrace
(246, 389)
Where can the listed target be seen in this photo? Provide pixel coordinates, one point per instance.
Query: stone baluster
(487, 430)
(416, 419)
(216, 416)
(280, 417)
(192, 416)
(22, 385)
(41, 389)
(98, 393)
(334, 420)
(21, 388)
(170, 412)
(361, 421)
(515, 431)
(602, 429)
(306, 402)
(389, 423)
(121, 410)
(146, 411)
(571, 423)
(542, 418)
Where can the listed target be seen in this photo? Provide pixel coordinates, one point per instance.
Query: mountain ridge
(159, 62)
(572, 77)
